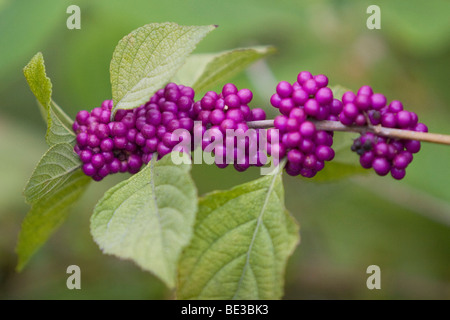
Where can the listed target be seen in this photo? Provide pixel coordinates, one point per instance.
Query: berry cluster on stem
(302, 133)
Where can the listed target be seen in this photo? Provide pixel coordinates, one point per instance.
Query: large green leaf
(149, 218)
(148, 57)
(57, 165)
(242, 240)
(47, 214)
(204, 71)
(58, 122)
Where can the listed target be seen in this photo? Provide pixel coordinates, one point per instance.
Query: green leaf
(38, 81)
(59, 124)
(204, 71)
(57, 165)
(242, 240)
(147, 58)
(60, 128)
(149, 218)
(47, 214)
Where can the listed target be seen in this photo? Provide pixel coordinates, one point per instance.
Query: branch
(378, 130)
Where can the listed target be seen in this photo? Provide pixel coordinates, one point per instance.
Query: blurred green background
(346, 225)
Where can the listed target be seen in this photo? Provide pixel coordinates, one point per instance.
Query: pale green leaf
(38, 81)
(203, 71)
(242, 240)
(148, 218)
(60, 128)
(57, 165)
(148, 57)
(47, 214)
(59, 124)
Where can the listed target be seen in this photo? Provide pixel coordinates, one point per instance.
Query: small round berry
(134, 163)
(420, 127)
(235, 115)
(363, 102)
(258, 114)
(304, 76)
(389, 120)
(292, 125)
(228, 89)
(97, 161)
(366, 159)
(119, 129)
(245, 95)
(286, 105)
(275, 100)
(93, 141)
(299, 97)
(114, 166)
(400, 161)
(186, 123)
(188, 92)
(378, 101)
(163, 149)
(365, 90)
(284, 89)
(312, 107)
(336, 107)
(310, 161)
(307, 129)
(82, 139)
(232, 101)
(85, 156)
(227, 124)
(310, 86)
(120, 142)
(307, 146)
(345, 120)
(107, 144)
(324, 96)
(292, 139)
(208, 102)
(395, 106)
(381, 166)
(404, 119)
(82, 116)
(89, 169)
(412, 146)
(273, 135)
(348, 97)
(321, 80)
(350, 110)
(397, 173)
(360, 120)
(298, 114)
(153, 117)
(324, 153)
(295, 156)
(280, 122)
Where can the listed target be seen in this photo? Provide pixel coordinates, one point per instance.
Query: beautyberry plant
(231, 244)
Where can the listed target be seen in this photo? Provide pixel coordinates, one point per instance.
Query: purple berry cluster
(294, 135)
(124, 144)
(229, 110)
(382, 154)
